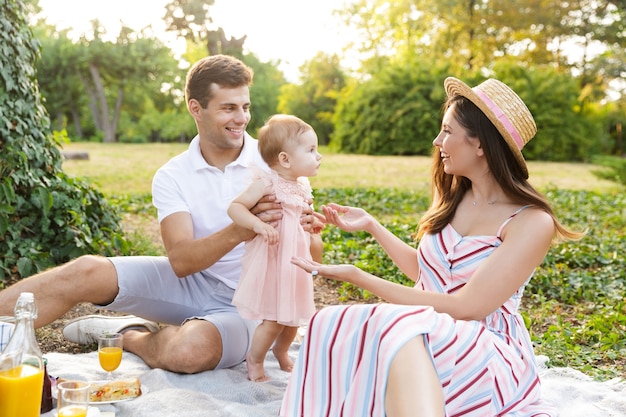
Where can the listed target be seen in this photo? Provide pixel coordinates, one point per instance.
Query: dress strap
(510, 218)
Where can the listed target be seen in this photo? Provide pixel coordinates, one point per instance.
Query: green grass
(120, 168)
(574, 305)
(128, 169)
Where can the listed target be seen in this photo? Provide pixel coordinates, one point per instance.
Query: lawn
(128, 169)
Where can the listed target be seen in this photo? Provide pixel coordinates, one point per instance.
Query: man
(194, 284)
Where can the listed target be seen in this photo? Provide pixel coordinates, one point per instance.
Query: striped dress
(486, 368)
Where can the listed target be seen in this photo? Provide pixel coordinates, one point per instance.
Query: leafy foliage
(45, 217)
(565, 132)
(613, 168)
(315, 99)
(472, 35)
(395, 113)
(575, 302)
(124, 90)
(263, 91)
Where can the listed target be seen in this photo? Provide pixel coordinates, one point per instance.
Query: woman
(455, 344)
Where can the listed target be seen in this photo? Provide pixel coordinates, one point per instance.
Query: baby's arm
(239, 211)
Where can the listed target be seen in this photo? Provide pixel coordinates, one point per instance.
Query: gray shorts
(149, 288)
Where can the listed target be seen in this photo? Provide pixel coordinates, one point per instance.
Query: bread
(116, 390)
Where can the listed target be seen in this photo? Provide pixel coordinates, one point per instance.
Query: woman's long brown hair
(448, 190)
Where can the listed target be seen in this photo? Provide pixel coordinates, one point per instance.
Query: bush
(46, 217)
(614, 168)
(564, 131)
(396, 112)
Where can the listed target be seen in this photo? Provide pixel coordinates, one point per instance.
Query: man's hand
(268, 210)
(312, 222)
(318, 223)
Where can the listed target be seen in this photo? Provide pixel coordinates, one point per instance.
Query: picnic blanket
(228, 393)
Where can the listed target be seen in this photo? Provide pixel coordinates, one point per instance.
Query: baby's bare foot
(285, 362)
(256, 372)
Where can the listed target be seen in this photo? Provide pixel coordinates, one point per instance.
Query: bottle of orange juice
(21, 364)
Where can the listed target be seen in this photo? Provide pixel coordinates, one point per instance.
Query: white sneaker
(85, 330)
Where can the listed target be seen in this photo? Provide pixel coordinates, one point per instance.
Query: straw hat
(503, 107)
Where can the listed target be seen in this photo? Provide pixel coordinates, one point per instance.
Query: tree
(482, 37)
(64, 94)
(46, 217)
(190, 19)
(264, 91)
(314, 99)
(564, 131)
(473, 34)
(107, 70)
(108, 86)
(396, 112)
(596, 26)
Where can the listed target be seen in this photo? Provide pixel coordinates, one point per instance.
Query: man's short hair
(223, 70)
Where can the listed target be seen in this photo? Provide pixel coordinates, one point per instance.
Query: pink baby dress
(270, 286)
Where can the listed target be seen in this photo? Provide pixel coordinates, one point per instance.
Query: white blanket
(228, 393)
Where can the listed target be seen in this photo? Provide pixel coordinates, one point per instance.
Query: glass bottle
(46, 395)
(21, 364)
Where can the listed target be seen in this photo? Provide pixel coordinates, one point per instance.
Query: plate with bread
(113, 391)
(107, 392)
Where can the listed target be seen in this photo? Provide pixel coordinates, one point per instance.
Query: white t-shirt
(187, 183)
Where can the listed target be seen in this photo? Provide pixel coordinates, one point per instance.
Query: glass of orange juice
(72, 399)
(110, 347)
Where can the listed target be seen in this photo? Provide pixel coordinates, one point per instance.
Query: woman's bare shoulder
(533, 220)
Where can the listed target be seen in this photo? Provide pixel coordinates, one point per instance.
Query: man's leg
(216, 341)
(195, 346)
(85, 279)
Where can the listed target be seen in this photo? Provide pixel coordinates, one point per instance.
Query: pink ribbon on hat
(502, 117)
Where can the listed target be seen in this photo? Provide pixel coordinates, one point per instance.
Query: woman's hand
(338, 272)
(347, 218)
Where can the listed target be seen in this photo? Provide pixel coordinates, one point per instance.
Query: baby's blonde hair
(279, 131)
